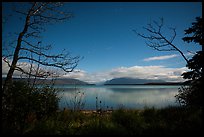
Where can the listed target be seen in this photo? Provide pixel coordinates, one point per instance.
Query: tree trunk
(8, 80)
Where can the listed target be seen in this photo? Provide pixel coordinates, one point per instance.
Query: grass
(149, 121)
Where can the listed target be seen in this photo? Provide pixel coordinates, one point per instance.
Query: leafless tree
(157, 40)
(28, 46)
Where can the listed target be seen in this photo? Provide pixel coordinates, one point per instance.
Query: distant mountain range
(115, 81)
(59, 81)
(133, 81)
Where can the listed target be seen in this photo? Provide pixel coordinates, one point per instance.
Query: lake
(116, 96)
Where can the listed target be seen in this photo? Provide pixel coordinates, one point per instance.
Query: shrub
(24, 104)
(191, 95)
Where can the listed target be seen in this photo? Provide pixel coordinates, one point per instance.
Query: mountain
(131, 81)
(59, 81)
(70, 81)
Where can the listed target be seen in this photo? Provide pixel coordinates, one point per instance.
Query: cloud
(75, 74)
(161, 57)
(88, 77)
(149, 72)
(140, 72)
(5, 69)
(26, 67)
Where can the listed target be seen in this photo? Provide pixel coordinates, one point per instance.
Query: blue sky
(102, 33)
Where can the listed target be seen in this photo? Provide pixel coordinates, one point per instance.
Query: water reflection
(145, 97)
(130, 97)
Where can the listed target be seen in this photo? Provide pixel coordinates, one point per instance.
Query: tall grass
(148, 121)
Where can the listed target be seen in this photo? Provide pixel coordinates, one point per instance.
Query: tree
(28, 47)
(190, 94)
(196, 63)
(28, 55)
(196, 30)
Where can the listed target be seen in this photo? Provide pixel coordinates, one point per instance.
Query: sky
(101, 33)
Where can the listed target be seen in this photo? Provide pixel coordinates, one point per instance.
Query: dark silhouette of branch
(37, 15)
(157, 41)
(72, 62)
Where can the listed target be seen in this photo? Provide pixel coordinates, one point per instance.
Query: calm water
(136, 96)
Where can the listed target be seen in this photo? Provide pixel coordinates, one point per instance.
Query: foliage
(25, 104)
(196, 30)
(191, 95)
(131, 121)
(195, 64)
(149, 121)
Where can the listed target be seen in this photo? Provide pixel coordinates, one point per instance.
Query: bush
(191, 95)
(24, 104)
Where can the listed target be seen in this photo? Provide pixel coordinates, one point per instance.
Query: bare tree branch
(63, 65)
(37, 15)
(47, 47)
(157, 41)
